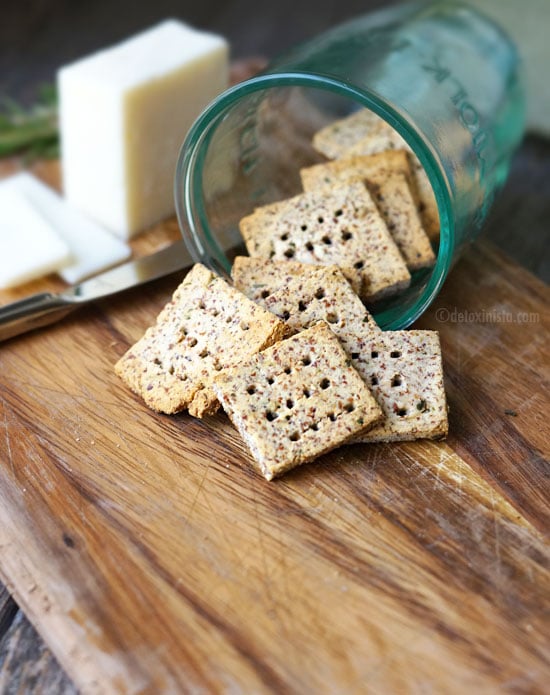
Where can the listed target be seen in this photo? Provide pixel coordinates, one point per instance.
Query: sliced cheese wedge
(29, 247)
(93, 248)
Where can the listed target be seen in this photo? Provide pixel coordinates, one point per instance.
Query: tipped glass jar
(446, 78)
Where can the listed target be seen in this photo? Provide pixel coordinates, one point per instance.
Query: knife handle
(33, 312)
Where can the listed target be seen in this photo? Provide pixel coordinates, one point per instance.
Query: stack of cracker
(291, 402)
(362, 134)
(402, 369)
(290, 351)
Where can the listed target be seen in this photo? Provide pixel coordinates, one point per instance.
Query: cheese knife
(42, 309)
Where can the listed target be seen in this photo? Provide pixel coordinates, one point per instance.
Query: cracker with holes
(405, 374)
(302, 294)
(365, 133)
(387, 177)
(338, 226)
(296, 400)
(421, 189)
(206, 327)
(403, 369)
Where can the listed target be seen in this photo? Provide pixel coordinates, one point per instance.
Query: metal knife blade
(45, 308)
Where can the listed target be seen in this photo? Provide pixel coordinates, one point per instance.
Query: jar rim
(189, 200)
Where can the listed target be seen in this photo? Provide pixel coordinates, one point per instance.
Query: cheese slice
(29, 247)
(124, 113)
(93, 249)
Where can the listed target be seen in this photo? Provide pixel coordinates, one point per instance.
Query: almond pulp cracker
(296, 400)
(397, 207)
(402, 368)
(365, 133)
(338, 136)
(405, 374)
(374, 169)
(386, 176)
(302, 294)
(207, 326)
(340, 226)
(386, 139)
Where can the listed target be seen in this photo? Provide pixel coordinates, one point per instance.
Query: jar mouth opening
(188, 185)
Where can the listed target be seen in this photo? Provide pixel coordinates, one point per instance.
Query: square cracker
(405, 374)
(403, 369)
(207, 326)
(296, 400)
(399, 211)
(373, 169)
(364, 133)
(340, 226)
(387, 176)
(335, 138)
(302, 295)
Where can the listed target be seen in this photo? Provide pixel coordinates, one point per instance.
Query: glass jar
(441, 74)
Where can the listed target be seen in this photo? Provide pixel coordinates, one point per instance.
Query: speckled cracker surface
(207, 326)
(405, 374)
(302, 295)
(371, 168)
(388, 177)
(387, 140)
(403, 369)
(399, 211)
(365, 133)
(296, 400)
(340, 226)
(338, 136)
(258, 277)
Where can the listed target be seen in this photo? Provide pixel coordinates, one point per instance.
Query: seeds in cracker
(374, 169)
(340, 226)
(405, 374)
(365, 133)
(387, 139)
(338, 136)
(396, 205)
(258, 277)
(296, 400)
(302, 294)
(402, 368)
(207, 326)
(387, 177)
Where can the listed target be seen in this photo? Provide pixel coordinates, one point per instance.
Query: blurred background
(36, 36)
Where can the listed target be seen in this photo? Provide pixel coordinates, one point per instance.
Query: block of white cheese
(124, 113)
(29, 247)
(92, 247)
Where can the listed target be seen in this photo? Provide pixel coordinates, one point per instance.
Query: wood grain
(153, 559)
(494, 322)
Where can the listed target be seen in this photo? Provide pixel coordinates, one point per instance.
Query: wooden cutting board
(153, 559)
